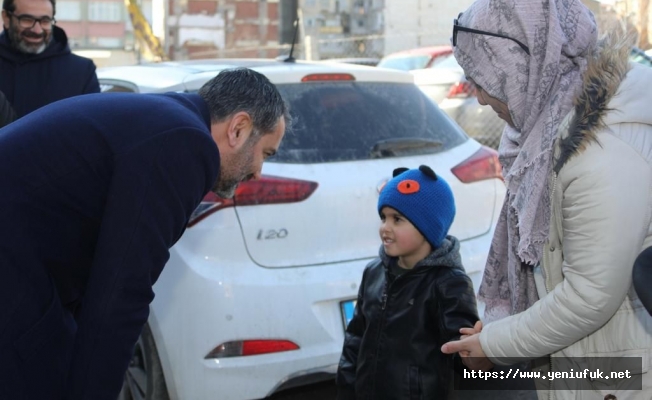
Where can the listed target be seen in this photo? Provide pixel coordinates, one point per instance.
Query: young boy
(413, 298)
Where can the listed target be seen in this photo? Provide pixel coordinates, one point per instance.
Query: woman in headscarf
(577, 163)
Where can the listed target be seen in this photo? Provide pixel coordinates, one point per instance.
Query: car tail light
(241, 348)
(483, 164)
(327, 77)
(462, 89)
(266, 190)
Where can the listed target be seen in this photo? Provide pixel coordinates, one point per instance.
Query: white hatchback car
(257, 292)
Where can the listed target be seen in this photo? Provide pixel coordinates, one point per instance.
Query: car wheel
(144, 378)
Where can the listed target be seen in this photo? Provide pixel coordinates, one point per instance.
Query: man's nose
(37, 28)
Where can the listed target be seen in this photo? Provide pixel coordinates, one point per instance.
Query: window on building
(68, 11)
(106, 42)
(104, 11)
(74, 43)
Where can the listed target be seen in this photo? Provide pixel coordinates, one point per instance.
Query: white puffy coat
(601, 220)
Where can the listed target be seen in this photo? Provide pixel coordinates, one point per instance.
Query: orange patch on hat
(408, 186)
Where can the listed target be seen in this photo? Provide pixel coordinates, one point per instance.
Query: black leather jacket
(392, 344)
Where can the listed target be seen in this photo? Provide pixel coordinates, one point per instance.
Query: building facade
(223, 28)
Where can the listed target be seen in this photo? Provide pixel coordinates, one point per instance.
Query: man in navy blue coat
(36, 65)
(95, 190)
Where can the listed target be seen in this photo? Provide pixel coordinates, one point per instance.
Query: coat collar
(606, 70)
(446, 255)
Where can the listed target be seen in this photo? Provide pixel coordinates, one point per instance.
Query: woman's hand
(466, 332)
(470, 350)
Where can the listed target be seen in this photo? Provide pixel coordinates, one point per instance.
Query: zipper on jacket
(549, 356)
(384, 298)
(387, 287)
(552, 202)
(381, 324)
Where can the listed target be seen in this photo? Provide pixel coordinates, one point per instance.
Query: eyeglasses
(27, 21)
(457, 27)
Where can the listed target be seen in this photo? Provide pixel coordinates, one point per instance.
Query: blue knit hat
(424, 198)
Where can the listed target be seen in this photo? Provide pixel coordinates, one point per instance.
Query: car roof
(433, 50)
(184, 75)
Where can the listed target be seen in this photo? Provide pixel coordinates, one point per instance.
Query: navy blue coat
(30, 81)
(95, 190)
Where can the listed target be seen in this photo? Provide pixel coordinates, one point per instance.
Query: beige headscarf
(539, 90)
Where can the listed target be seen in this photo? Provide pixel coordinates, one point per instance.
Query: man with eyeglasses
(36, 64)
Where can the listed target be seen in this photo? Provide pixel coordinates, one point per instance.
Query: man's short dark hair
(10, 5)
(242, 89)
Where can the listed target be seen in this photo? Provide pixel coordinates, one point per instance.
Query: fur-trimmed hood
(611, 93)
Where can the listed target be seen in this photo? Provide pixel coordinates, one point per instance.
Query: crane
(143, 31)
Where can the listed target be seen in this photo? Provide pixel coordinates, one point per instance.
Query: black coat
(392, 344)
(30, 81)
(642, 276)
(95, 190)
(7, 113)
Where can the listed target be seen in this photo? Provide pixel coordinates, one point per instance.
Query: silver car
(445, 84)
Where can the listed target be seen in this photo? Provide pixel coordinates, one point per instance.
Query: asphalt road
(327, 391)
(319, 391)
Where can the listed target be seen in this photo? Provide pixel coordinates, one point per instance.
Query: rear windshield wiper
(404, 147)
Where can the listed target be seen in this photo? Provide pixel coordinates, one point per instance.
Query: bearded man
(96, 189)
(36, 65)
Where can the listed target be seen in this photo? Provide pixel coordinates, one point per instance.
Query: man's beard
(235, 170)
(18, 42)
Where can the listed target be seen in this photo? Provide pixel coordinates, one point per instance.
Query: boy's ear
(399, 171)
(428, 171)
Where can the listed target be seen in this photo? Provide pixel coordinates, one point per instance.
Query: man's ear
(5, 20)
(239, 128)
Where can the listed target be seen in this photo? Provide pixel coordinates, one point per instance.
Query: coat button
(552, 248)
(610, 397)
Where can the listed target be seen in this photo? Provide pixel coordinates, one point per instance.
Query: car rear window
(348, 121)
(446, 62)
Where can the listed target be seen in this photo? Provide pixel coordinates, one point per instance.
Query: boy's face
(401, 239)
